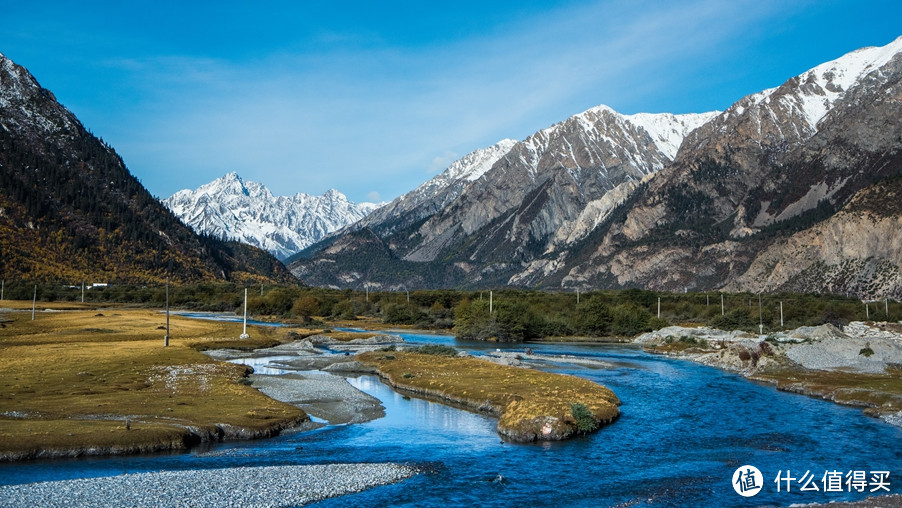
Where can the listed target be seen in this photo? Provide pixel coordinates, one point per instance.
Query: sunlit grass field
(72, 379)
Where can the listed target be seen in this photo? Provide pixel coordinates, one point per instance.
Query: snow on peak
(836, 77)
(812, 94)
(247, 211)
(444, 187)
(668, 130)
(473, 165)
(462, 171)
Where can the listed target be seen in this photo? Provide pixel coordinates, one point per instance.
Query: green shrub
(435, 349)
(629, 319)
(866, 351)
(585, 420)
(399, 314)
(656, 323)
(593, 317)
(736, 319)
(473, 320)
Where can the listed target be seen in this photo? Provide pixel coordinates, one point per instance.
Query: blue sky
(374, 98)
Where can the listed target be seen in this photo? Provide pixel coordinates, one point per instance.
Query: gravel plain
(241, 486)
(822, 347)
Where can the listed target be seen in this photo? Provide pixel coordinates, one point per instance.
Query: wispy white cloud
(355, 113)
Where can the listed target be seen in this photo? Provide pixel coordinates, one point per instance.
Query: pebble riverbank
(864, 349)
(240, 486)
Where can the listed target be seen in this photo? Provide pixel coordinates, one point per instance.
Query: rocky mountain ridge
(597, 202)
(234, 209)
(764, 170)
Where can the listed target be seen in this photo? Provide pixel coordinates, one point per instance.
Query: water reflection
(410, 414)
(267, 365)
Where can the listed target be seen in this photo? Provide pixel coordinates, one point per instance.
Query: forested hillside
(70, 209)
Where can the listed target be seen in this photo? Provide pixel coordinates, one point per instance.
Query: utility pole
(490, 302)
(408, 296)
(166, 338)
(707, 300)
(244, 334)
(367, 289)
(760, 317)
(82, 291)
(867, 311)
(885, 303)
(659, 307)
(2, 287)
(34, 301)
(781, 314)
(721, 304)
(577, 297)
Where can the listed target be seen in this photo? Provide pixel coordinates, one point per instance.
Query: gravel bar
(239, 486)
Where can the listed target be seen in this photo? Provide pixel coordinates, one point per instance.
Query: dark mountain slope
(70, 209)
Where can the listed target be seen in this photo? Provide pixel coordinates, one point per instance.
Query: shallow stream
(684, 430)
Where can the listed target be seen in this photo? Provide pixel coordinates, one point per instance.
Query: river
(683, 432)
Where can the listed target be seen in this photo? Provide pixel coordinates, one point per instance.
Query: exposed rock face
(545, 181)
(858, 250)
(729, 199)
(231, 208)
(437, 193)
(480, 224)
(770, 166)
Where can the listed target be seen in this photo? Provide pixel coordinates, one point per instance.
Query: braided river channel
(683, 432)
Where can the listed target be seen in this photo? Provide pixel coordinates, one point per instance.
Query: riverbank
(89, 381)
(859, 365)
(240, 486)
(531, 405)
(305, 380)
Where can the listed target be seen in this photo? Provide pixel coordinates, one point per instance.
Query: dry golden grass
(70, 379)
(882, 393)
(521, 397)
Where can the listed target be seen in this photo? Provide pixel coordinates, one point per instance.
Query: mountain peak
(247, 211)
(335, 195)
(95, 217)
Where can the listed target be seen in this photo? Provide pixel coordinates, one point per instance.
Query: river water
(683, 431)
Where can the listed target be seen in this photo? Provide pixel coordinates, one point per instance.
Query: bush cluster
(514, 315)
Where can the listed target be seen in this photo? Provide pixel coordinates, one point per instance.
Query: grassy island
(98, 382)
(530, 404)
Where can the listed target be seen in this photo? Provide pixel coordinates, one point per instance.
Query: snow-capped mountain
(788, 115)
(524, 191)
(605, 200)
(735, 207)
(543, 182)
(229, 207)
(436, 193)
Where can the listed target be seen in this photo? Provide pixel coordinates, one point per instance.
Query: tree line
(505, 315)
